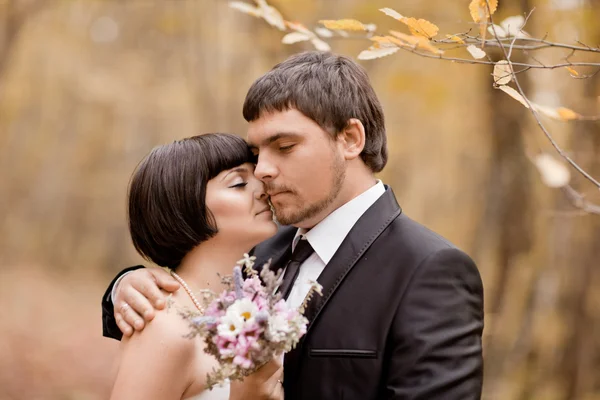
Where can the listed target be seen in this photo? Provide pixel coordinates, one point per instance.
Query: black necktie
(302, 251)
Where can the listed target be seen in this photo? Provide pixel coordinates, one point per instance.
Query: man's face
(301, 165)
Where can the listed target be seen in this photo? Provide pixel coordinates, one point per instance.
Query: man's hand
(138, 294)
(264, 384)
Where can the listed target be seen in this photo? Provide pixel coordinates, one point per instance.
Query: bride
(195, 207)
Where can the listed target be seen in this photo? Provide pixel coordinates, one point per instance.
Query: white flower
(243, 309)
(278, 327)
(230, 326)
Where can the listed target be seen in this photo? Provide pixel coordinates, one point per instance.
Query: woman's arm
(156, 363)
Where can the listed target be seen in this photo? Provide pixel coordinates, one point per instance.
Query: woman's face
(238, 202)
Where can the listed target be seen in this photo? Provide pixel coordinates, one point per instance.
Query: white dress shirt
(326, 237)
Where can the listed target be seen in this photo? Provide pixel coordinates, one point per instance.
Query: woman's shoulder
(168, 329)
(168, 357)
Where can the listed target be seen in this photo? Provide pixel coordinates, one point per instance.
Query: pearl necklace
(188, 291)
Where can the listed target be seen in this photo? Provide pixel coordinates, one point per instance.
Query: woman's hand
(264, 384)
(138, 294)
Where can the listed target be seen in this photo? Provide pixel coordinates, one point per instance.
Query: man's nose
(265, 170)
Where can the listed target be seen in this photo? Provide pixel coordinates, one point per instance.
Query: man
(401, 315)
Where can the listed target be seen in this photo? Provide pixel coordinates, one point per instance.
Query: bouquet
(249, 323)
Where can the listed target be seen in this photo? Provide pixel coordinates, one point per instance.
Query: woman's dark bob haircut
(167, 208)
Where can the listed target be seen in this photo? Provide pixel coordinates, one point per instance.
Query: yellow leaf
(407, 38)
(567, 114)
(426, 45)
(421, 27)
(514, 94)
(559, 113)
(392, 13)
(420, 42)
(547, 111)
(455, 38)
(502, 73)
(343, 24)
(572, 71)
(480, 13)
(382, 40)
(373, 52)
(475, 51)
(479, 9)
(482, 32)
(395, 41)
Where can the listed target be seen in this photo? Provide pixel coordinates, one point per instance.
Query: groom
(401, 315)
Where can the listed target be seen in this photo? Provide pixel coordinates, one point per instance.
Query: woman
(195, 207)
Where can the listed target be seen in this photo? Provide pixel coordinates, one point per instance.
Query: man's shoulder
(410, 235)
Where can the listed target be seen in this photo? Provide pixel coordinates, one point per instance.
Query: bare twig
(544, 43)
(473, 61)
(579, 201)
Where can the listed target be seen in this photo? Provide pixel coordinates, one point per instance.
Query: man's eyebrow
(274, 138)
(240, 169)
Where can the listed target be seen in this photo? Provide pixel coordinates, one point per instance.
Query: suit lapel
(366, 230)
(277, 249)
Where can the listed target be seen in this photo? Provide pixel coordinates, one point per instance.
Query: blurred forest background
(87, 88)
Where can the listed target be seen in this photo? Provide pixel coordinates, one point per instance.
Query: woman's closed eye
(239, 185)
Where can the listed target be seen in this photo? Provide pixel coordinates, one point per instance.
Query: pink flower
(242, 362)
(253, 285)
(280, 306)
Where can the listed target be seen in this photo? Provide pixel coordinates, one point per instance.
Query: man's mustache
(271, 189)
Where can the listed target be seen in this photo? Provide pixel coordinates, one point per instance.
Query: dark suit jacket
(401, 315)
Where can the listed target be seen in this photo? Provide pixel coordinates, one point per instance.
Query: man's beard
(287, 217)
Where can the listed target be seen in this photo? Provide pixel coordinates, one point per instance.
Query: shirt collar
(327, 236)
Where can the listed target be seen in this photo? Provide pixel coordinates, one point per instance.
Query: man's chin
(284, 218)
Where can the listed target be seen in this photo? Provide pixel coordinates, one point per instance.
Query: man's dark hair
(167, 210)
(329, 89)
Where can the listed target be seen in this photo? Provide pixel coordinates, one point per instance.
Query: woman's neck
(201, 267)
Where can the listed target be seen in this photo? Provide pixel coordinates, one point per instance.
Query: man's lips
(273, 194)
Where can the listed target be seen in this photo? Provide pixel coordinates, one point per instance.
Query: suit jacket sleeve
(109, 324)
(436, 350)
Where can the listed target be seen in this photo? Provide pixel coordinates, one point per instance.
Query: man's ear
(352, 139)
